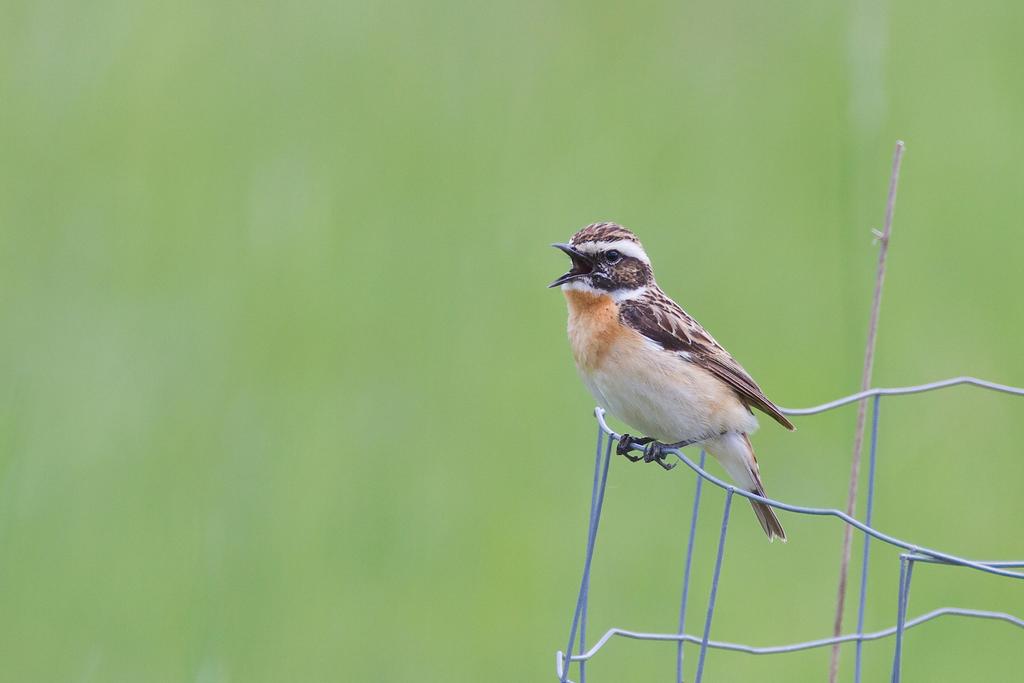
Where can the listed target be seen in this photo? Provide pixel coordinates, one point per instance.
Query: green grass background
(283, 396)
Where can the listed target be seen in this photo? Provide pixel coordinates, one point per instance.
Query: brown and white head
(606, 259)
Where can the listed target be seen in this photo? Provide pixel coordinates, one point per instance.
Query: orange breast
(594, 327)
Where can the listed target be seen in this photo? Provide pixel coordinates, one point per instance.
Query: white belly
(664, 396)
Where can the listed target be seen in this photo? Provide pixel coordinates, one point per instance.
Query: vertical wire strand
(714, 587)
(596, 503)
(586, 578)
(906, 571)
(872, 456)
(686, 569)
(899, 605)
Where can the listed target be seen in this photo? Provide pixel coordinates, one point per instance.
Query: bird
(653, 366)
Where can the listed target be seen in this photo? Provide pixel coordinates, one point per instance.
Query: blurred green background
(283, 396)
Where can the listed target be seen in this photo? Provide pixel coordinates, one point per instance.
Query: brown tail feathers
(769, 522)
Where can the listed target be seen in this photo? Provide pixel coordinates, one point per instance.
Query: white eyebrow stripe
(626, 247)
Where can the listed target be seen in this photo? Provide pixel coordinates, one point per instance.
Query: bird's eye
(612, 256)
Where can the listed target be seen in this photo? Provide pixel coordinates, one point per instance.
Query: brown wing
(660, 319)
(732, 373)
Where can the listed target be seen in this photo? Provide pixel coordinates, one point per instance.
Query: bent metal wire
(914, 554)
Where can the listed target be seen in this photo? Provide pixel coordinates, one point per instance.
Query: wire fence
(913, 554)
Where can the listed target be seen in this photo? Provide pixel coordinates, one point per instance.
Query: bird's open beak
(581, 265)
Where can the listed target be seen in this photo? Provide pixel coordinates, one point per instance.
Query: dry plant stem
(865, 384)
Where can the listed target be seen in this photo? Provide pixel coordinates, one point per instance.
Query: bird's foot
(626, 444)
(655, 452)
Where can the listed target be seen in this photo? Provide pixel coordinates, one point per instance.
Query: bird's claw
(626, 444)
(654, 451)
